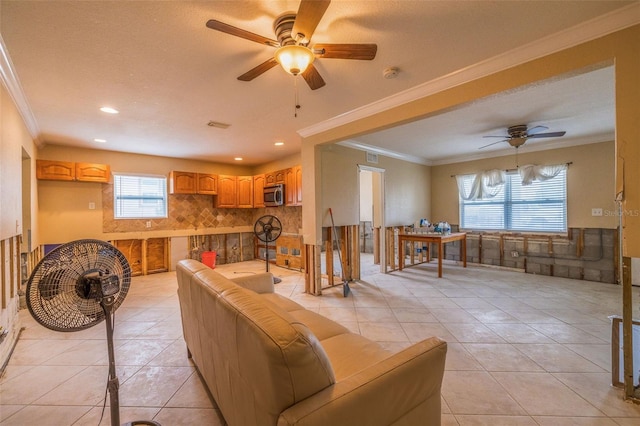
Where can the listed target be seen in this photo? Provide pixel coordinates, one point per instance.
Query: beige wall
(407, 187)
(15, 142)
(64, 213)
(590, 182)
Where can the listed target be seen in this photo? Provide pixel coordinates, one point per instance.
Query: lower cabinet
(147, 256)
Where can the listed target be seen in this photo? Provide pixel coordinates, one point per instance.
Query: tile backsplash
(194, 211)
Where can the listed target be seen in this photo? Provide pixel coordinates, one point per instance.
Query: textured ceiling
(169, 74)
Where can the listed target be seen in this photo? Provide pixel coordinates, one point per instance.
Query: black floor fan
(267, 229)
(76, 286)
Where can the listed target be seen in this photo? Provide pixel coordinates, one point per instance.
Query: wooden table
(439, 239)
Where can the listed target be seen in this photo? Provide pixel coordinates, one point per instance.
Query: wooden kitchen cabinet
(70, 171)
(258, 190)
(298, 187)
(293, 186)
(93, 172)
(274, 178)
(245, 192)
(227, 190)
(55, 170)
(207, 184)
(182, 182)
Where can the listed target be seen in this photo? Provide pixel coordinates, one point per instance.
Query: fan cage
(53, 295)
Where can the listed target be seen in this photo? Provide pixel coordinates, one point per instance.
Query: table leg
(440, 251)
(464, 252)
(400, 254)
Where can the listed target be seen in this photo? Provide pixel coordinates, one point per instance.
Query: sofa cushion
(351, 353)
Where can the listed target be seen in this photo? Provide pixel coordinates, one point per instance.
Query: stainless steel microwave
(273, 195)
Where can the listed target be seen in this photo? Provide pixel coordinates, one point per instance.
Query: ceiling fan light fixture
(294, 58)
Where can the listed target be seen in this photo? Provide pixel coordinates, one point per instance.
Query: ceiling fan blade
(259, 70)
(547, 135)
(346, 51)
(313, 77)
(309, 15)
(230, 29)
(494, 136)
(506, 140)
(536, 129)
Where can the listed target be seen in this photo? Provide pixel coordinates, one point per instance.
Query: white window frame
(509, 206)
(151, 197)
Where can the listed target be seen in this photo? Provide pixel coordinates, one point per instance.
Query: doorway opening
(371, 238)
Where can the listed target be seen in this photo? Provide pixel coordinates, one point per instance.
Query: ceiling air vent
(372, 158)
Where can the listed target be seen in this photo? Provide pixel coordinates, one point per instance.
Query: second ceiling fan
(518, 135)
(293, 32)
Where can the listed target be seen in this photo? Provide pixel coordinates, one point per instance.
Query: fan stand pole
(113, 383)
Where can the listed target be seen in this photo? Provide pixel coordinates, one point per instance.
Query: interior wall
(14, 140)
(407, 187)
(590, 182)
(64, 212)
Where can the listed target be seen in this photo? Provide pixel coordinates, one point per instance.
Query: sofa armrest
(260, 283)
(402, 389)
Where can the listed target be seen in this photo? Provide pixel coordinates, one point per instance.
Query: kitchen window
(139, 196)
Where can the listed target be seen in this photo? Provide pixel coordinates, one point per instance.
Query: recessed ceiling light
(109, 110)
(100, 140)
(238, 158)
(279, 143)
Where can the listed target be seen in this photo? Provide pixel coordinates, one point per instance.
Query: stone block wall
(585, 253)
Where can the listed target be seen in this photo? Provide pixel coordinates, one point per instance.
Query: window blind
(538, 207)
(137, 197)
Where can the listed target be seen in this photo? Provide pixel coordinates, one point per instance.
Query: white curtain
(531, 172)
(485, 185)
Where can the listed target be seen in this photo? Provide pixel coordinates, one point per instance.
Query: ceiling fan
(518, 135)
(293, 32)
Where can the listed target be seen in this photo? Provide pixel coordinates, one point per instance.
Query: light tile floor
(523, 349)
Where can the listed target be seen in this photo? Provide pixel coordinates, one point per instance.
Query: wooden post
(627, 331)
(376, 246)
(328, 251)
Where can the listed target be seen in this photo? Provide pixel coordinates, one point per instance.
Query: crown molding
(589, 30)
(12, 83)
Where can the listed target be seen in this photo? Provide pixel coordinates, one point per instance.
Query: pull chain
(296, 101)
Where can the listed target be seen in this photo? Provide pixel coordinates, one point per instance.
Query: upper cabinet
(55, 170)
(245, 192)
(227, 188)
(207, 184)
(193, 183)
(293, 186)
(274, 178)
(182, 182)
(258, 190)
(92, 172)
(69, 171)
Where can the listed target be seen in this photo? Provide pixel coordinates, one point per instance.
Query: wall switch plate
(515, 254)
(148, 224)
(92, 206)
(596, 212)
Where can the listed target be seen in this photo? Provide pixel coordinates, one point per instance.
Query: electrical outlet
(596, 212)
(92, 206)
(515, 254)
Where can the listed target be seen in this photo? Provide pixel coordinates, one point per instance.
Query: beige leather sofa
(269, 361)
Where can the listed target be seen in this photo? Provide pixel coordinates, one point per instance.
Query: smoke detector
(391, 72)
